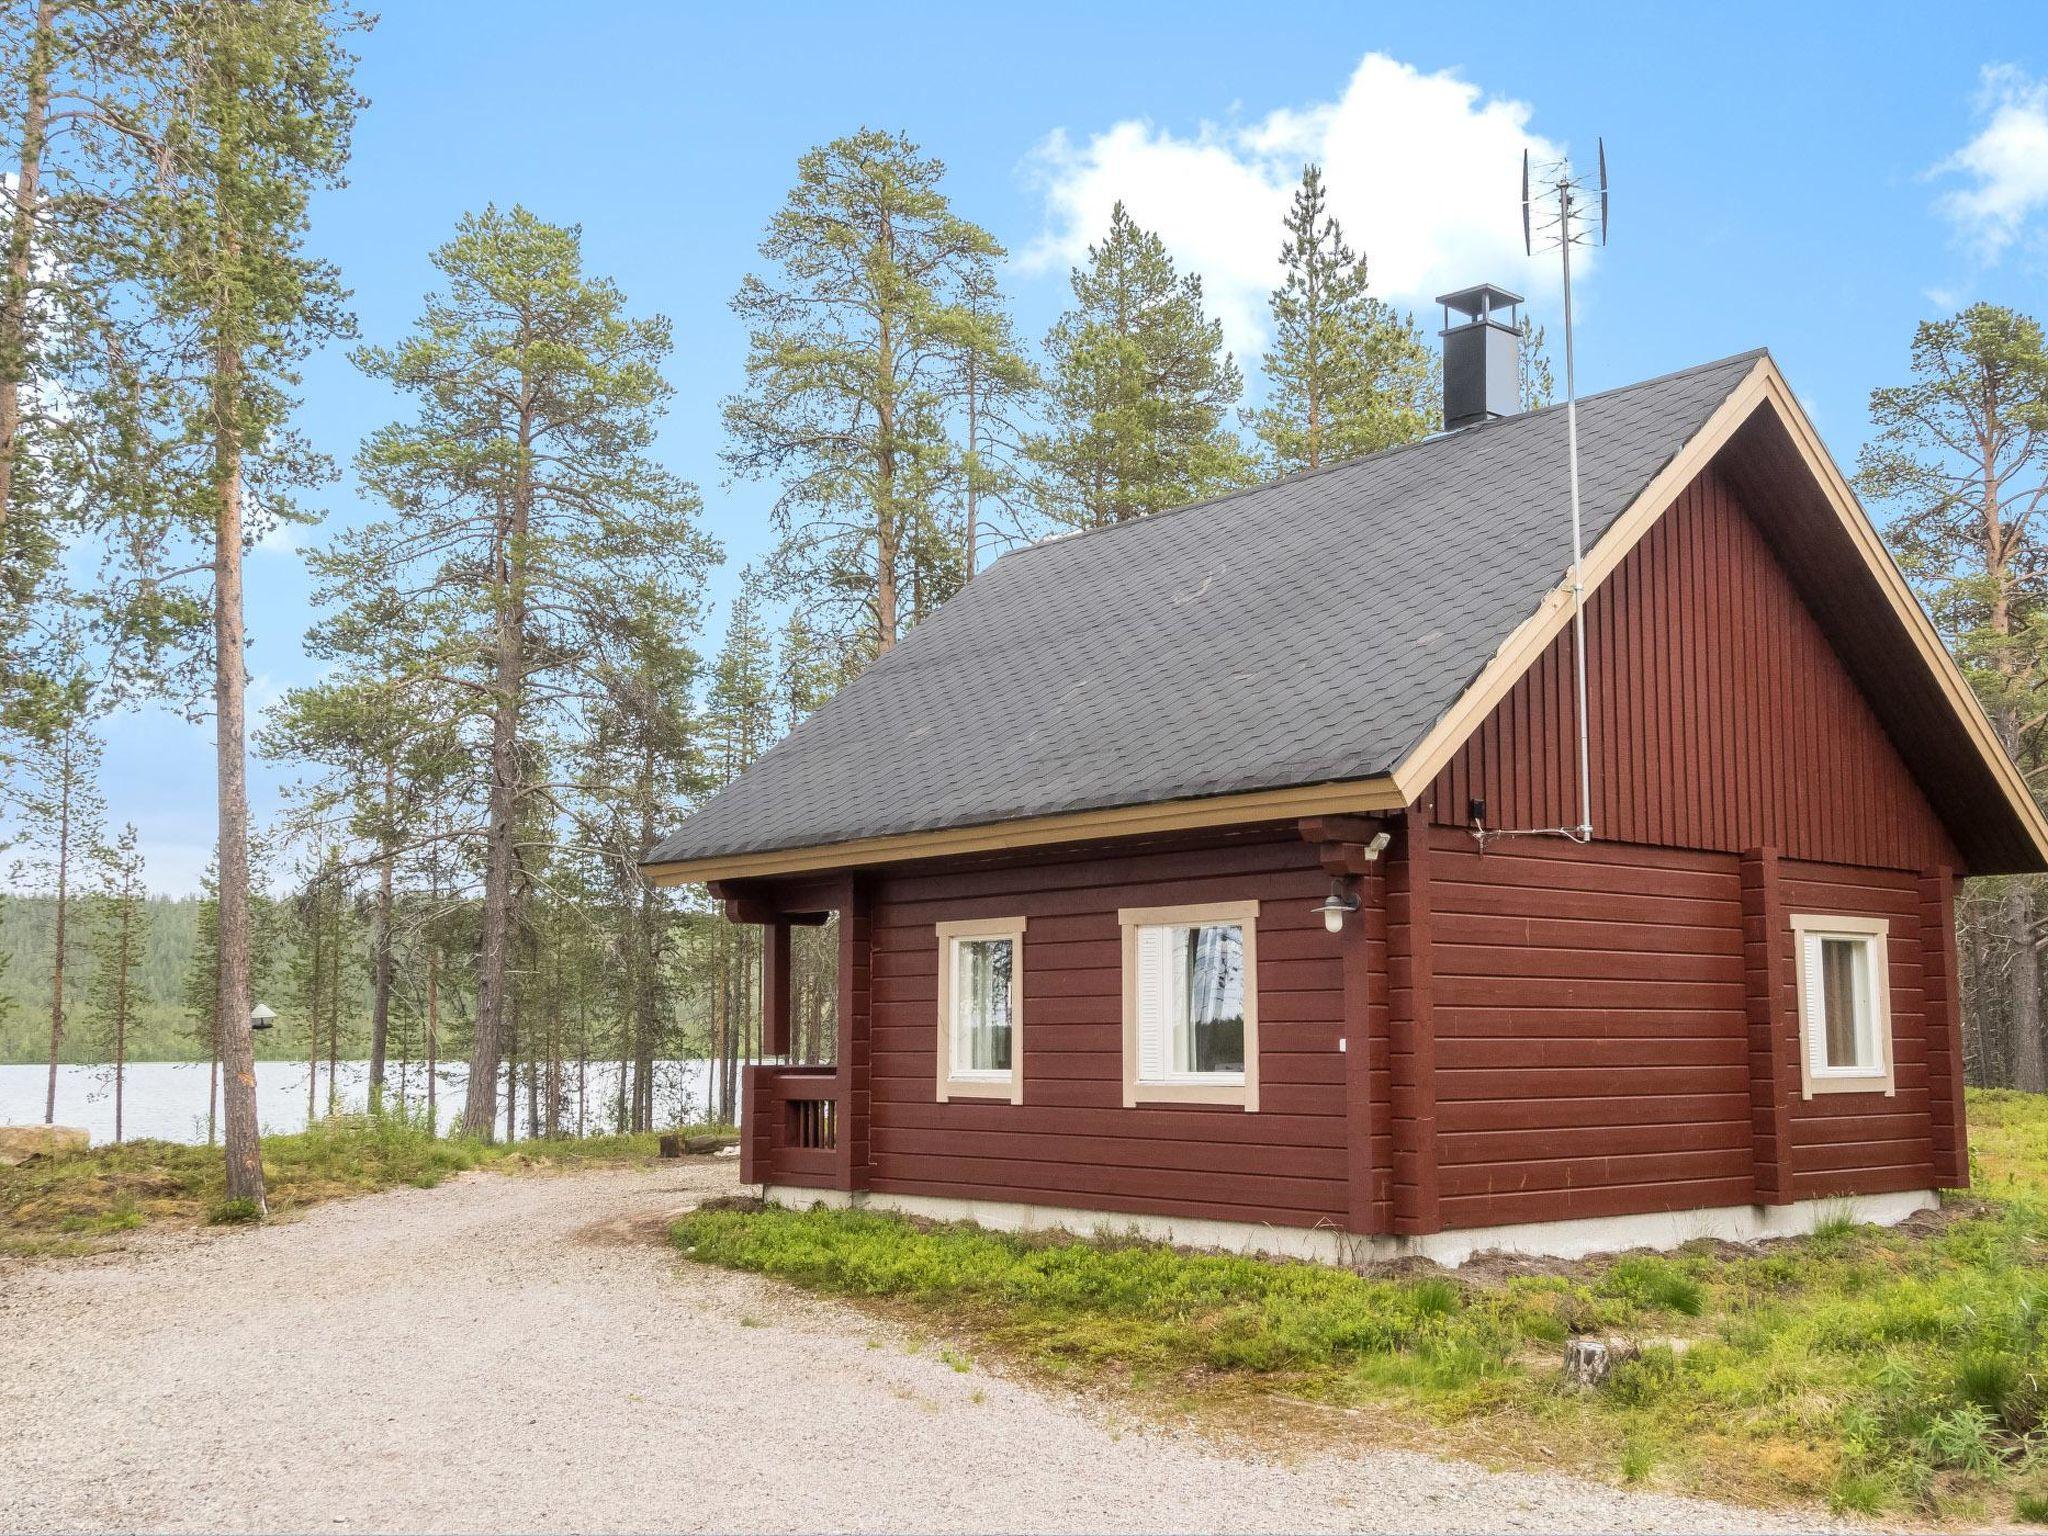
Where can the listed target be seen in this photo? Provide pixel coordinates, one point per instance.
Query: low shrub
(1870, 1368)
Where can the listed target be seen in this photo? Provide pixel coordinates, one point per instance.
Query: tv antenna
(1558, 212)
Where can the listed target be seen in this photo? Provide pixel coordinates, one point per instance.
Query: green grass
(1871, 1369)
(66, 1205)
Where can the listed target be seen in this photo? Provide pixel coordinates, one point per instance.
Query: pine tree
(808, 671)
(878, 328)
(1347, 374)
(1960, 458)
(1536, 386)
(385, 746)
(120, 939)
(640, 764)
(201, 990)
(1140, 391)
(83, 86)
(258, 117)
(60, 806)
(996, 385)
(534, 538)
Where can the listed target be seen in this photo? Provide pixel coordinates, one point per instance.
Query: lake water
(167, 1099)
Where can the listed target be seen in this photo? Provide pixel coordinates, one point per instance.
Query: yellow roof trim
(1352, 796)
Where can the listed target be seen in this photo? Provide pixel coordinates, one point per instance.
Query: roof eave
(1350, 796)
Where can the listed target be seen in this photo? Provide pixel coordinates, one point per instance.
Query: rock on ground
(517, 1354)
(19, 1143)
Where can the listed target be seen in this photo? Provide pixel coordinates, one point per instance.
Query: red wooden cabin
(1086, 831)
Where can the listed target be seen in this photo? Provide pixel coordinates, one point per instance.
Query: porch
(806, 1124)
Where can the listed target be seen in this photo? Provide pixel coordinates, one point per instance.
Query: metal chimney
(1482, 355)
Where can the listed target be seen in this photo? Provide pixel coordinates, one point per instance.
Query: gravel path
(512, 1353)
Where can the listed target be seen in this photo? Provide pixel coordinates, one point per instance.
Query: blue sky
(1816, 179)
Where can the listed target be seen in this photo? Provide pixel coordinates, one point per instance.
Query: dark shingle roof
(1300, 632)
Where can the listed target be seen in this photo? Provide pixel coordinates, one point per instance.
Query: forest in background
(518, 692)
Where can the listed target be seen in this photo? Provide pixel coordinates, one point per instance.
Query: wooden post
(775, 987)
(1944, 1028)
(1363, 947)
(1767, 999)
(1411, 977)
(856, 924)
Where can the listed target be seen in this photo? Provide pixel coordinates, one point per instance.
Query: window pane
(1209, 1012)
(981, 1008)
(1845, 1001)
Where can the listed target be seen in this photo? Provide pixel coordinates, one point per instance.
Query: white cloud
(285, 538)
(2006, 164)
(1423, 171)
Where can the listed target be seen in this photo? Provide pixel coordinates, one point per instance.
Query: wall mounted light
(1334, 906)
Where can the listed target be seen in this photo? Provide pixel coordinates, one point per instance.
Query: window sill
(1241, 1094)
(1881, 1083)
(1009, 1088)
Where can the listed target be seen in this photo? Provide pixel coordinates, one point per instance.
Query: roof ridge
(1435, 439)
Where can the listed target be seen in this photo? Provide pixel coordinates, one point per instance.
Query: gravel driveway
(511, 1353)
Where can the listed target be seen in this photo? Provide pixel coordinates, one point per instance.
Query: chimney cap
(1478, 304)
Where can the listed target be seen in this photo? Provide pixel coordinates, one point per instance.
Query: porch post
(775, 987)
(856, 924)
(1767, 988)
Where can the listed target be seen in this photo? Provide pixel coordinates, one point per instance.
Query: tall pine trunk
(433, 1033)
(15, 305)
(2024, 1049)
(66, 772)
(127, 954)
(501, 852)
(314, 994)
(380, 984)
(238, 1053)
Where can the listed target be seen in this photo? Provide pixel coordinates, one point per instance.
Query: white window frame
(959, 1083)
(1231, 1088)
(1815, 1075)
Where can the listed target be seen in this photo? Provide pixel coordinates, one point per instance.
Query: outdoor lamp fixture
(1343, 895)
(261, 1017)
(1336, 904)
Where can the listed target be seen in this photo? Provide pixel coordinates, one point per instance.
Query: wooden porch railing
(792, 1117)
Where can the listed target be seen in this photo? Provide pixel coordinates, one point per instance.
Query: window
(1845, 1016)
(1191, 1013)
(981, 1009)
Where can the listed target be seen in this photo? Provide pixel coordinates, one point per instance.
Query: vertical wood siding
(1721, 717)
(1072, 1142)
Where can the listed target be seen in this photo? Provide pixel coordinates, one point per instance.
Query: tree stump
(1587, 1362)
(671, 1144)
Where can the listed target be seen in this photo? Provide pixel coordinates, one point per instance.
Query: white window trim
(1814, 1076)
(981, 1085)
(1242, 1094)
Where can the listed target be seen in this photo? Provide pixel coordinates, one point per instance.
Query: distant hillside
(165, 1033)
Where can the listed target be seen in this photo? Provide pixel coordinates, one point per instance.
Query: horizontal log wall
(1591, 1037)
(1596, 1042)
(1720, 716)
(1867, 1143)
(1072, 1142)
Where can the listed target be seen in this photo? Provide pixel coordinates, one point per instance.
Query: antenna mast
(1555, 212)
